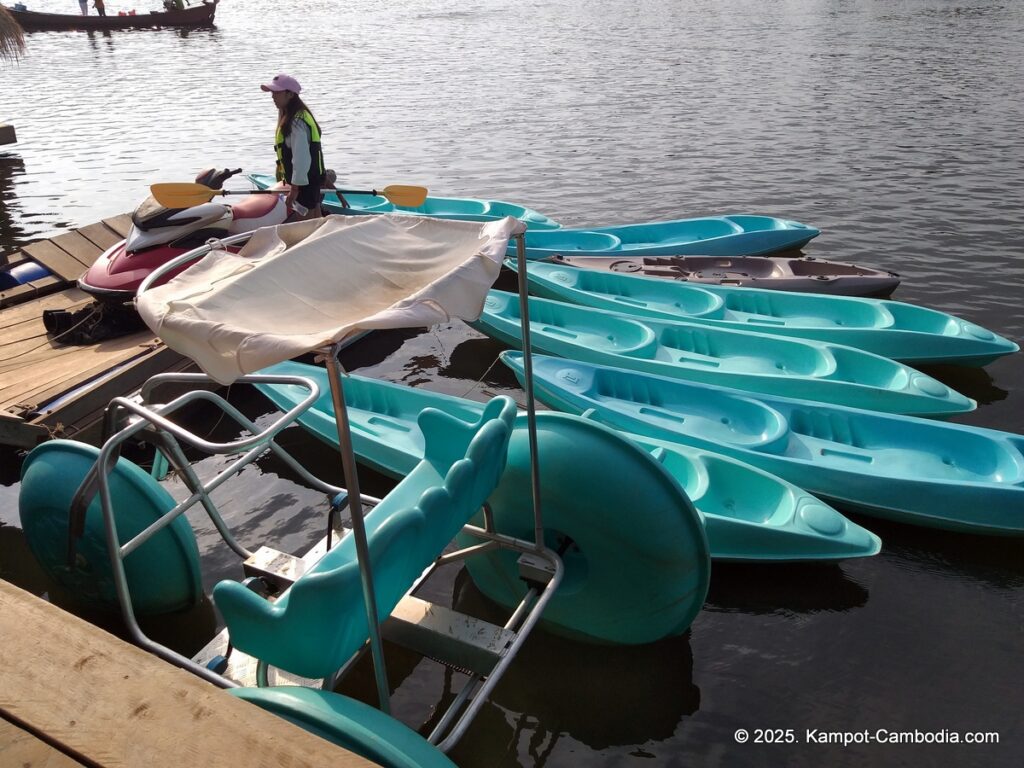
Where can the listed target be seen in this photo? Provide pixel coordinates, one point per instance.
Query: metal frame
(152, 422)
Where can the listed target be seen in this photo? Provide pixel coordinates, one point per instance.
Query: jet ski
(159, 234)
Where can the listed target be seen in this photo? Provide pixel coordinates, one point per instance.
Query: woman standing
(300, 159)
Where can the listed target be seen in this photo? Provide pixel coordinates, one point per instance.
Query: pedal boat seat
(320, 621)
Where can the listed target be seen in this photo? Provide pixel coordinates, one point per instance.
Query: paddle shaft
(186, 195)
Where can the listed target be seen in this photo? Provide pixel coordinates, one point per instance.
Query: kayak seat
(348, 723)
(320, 622)
(574, 240)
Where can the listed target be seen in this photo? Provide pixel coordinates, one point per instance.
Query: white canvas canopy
(298, 287)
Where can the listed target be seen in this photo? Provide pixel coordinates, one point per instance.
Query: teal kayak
(902, 468)
(732, 235)
(755, 362)
(749, 515)
(459, 208)
(893, 329)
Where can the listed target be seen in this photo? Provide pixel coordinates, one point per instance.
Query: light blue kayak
(458, 208)
(755, 362)
(893, 329)
(732, 235)
(902, 468)
(748, 514)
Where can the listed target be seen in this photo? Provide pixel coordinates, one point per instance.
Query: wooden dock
(51, 389)
(74, 695)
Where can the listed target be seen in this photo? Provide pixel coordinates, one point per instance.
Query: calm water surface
(893, 126)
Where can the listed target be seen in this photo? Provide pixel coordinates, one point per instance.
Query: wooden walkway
(73, 695)
(36, 374)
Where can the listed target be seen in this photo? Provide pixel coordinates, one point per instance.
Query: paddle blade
(175, 195)
(404, 195)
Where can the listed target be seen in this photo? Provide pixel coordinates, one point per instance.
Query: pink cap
(282, 82)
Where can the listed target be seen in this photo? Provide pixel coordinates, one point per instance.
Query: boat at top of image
(742, 359)
(894, 329)
(749, 515)
(731, 235)
(807, 274)
(902, 468)
(455, 208)
(200, 15)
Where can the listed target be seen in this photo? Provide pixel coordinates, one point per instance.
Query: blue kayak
(893, 329)
(755, 362)
(733, 235)
(749, 515)
(903, 468)
(458, 208)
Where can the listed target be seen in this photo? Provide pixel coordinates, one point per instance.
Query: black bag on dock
(89, 325)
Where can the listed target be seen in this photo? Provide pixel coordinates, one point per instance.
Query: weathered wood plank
(121, 224)
(50, 371)
(81, 412)
(14, 316)
(116, 705)
(19, 294)
(11, 258)
(100, 235)
(78, 246)
(19, 433)
(57, 259)
(21, 748)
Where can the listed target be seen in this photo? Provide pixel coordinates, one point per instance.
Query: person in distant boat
(101, 8)
(300, 159)
(84, 5)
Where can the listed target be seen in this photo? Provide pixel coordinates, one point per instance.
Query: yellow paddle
(183, 195)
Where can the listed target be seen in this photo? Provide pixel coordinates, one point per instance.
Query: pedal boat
(892, 329)
(105, 528)
(749, 515)
(911, 470)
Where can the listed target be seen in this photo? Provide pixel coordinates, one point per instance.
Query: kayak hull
(893, 329)
(456, 208)
(910, 470)
(754, 362)
(807, 275)
(731, 235)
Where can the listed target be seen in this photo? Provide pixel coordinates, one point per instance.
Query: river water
(894, 127)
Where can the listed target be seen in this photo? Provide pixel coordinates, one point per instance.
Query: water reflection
(633, 694)
(791, 589)
(976, 383)
(12, 233)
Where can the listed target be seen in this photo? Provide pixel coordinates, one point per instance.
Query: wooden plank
(121, 224)
(21, 748)
(100, 235)
(17, 295)
(15, 316)
(19, 433)
(57, 259)
(32, 290)
(81, 412)
(78, 246)
(12, 258)
(113, 704)
(50, 371)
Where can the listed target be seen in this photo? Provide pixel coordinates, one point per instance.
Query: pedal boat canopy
(299, 287)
